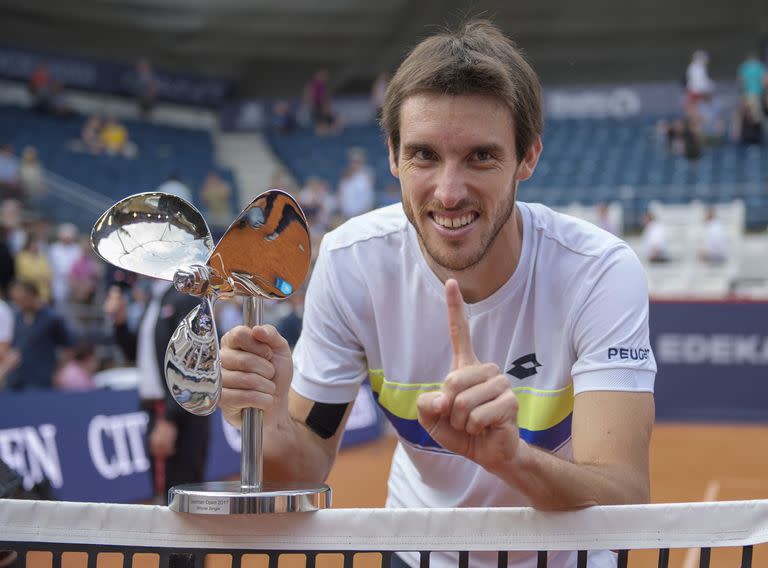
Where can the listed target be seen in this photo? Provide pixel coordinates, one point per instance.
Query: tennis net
(43, 534)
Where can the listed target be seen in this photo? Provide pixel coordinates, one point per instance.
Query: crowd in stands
(47, 272)
(706, 121)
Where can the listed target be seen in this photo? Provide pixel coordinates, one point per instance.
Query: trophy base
(228, 498)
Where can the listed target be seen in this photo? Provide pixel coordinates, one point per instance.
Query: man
(41, 339)
(537, 390)
(177, 441)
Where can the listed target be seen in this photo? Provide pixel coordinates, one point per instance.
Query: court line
(710, 494)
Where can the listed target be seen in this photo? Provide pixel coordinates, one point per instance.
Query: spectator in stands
(10, 184)
(317, 96)
(31, 176)
(77, 373)
(85, 274)
(713, 239)
(114, 139)
(753, 78)
(11, 220)
(318, 204)
(7, 263)
(684, 136)
(62, 255)
(47, 93)
(604, 220)
(655, 246)
(379, 93)
(9, 358)
(356, 188)
(32, 266)
(747, 125)
(40, 85)
(175, 186)
(216, 195)
(698, 83)
(145, 87)
(283, 119)
(177, 441)
(39, 334)
(90, 136)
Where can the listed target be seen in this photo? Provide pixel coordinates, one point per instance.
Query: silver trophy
(265, 253)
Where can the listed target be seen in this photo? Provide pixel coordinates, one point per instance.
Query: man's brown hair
(477, 58)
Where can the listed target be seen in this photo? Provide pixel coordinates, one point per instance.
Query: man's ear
(392, 159)
(531, 158)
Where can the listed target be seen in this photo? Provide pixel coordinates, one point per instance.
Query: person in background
(114, 139)
(216, 195)
(698, 83)
(41, 336)
(9, 173)
(356, 188)
(31, 176)
(7, 263)
(753, 78)
(655, 245)
(32, 265)
(77, 373)
(604, 220)
(63, 253)
(145, 87)
(176, 440)
(85, 274)
(11, 220)
(175, 186)
(713, 239)
(379, 93)
(9, 357)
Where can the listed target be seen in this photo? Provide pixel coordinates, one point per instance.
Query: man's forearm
(553, 483)
(292, 452)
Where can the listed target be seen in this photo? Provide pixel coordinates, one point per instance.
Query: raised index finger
(458, 327)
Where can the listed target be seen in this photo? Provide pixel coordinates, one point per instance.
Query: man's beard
(445, 258)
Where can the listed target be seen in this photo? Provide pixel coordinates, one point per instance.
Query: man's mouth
(455, 222)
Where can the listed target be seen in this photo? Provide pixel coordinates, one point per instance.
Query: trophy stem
(252, 457)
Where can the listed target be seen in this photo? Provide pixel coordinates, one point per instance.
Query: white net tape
(683, 525)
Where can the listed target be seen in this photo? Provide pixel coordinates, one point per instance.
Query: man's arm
(301, 436)
(475, 415)
(611, 437)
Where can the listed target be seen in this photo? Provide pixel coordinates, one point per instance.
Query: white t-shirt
(572, 318)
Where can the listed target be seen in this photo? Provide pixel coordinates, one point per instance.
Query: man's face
(458, 172)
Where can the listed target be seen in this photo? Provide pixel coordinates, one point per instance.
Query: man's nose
(451, 186)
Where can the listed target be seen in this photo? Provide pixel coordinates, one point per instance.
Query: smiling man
(485, 325)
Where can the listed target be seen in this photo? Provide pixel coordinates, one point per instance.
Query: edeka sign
(90, 446)
(712, 360)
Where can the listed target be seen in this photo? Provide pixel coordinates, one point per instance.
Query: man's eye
(482, 156)
(424, 155)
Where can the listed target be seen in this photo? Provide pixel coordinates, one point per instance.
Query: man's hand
(256, 370)
(162, 439)
(475, 412)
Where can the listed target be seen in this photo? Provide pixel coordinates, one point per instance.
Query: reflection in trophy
(265, 253)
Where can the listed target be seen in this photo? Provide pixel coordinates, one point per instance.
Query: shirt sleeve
(610, 328)
(329, 360)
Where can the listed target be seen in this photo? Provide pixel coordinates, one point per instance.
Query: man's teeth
(455, 222)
